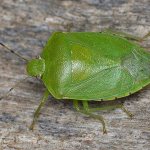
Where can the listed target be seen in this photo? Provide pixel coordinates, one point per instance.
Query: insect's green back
(94, 66)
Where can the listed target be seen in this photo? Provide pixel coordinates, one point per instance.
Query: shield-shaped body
(94, 66)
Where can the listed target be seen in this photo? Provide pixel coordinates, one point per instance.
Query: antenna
(14, 52)
(9, 91)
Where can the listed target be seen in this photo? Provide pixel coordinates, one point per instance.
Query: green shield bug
(88, 66)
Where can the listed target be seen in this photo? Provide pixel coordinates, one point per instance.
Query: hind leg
(107, 107)
(89, 111)
(128, 36)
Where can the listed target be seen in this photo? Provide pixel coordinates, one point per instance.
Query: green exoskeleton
(86, 66)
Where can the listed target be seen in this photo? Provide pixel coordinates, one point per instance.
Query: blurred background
(25, 25)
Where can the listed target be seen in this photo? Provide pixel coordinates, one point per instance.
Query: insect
(90, 66)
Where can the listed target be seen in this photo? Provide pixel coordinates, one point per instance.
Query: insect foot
(129, 114)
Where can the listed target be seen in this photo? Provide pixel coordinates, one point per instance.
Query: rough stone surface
(25, 26)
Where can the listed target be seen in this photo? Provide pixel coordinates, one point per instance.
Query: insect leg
(76, 105)
(111, 107)
(86, 111)
(126, 111)
(145, 37)
(37, 112)
(98, 117)
(127, 36)
(107, 107)
(122, 34)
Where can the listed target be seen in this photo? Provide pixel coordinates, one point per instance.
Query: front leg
(37, 112)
